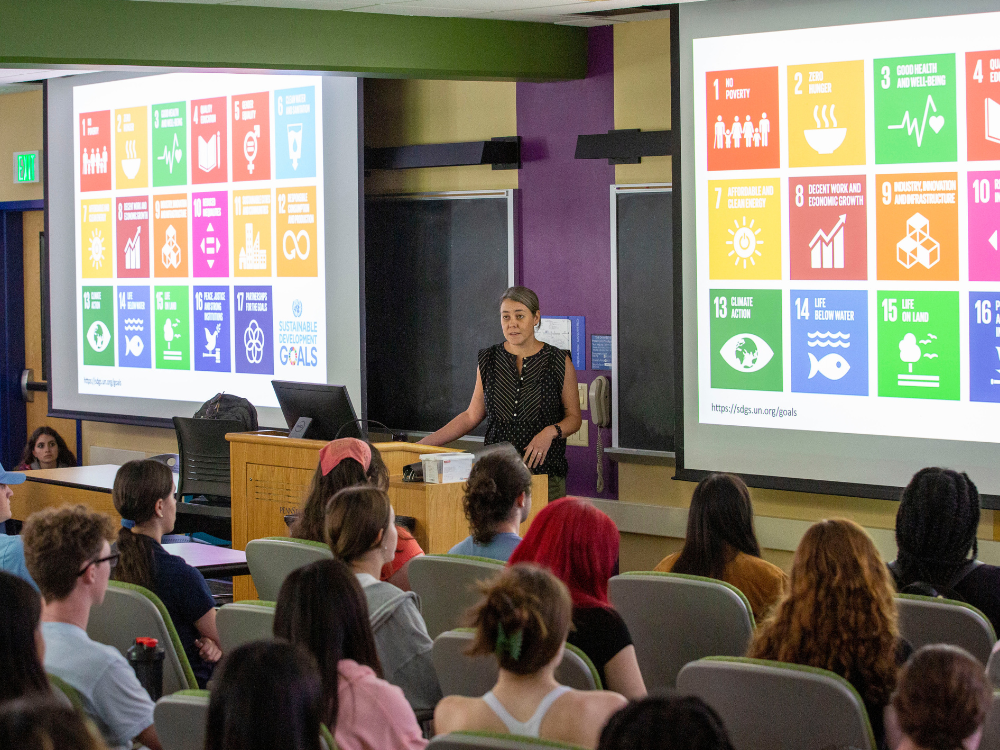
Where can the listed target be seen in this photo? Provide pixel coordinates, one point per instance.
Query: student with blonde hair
(523, 619)
(361, 531)
(839, 614)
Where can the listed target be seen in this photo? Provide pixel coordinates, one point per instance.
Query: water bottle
(146, 658)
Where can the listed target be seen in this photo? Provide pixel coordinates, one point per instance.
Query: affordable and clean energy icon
(826, 249)
(96, 248)
(919, 128)
(911, 353)
(744, 242)
(918, 246)
(253, 342)
(211, 338)
(170, 334)
(746, 352)
(98, 336)
(826, 137)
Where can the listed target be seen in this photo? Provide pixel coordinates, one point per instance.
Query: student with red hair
(579, 544)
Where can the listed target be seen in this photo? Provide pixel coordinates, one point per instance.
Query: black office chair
(204, 475)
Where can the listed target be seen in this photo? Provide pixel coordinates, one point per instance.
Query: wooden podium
(271, 474)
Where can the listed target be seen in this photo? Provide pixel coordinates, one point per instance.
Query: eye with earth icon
(746, 352)
(744, 242)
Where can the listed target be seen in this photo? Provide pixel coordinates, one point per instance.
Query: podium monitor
(327, 407)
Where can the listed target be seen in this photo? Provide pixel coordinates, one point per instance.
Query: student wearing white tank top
(523, 619)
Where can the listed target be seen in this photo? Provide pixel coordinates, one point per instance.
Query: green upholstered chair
(325, 738)
(472, 676)
(272, 558)
(446, 585)
(675, 619)
(244, 622)
(181, 719)
(70, 693)
(492, 741)
(771, 704)
(928, 619)
(991, 728)
(129, 612)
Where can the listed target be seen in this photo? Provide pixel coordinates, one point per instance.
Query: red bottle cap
(147, 642)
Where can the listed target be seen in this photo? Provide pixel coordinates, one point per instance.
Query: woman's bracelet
(558, 430)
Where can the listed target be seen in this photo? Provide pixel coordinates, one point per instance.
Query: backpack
(224, 406)
(924, 588)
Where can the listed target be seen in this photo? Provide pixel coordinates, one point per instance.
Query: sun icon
(744, 242)
(96, 248)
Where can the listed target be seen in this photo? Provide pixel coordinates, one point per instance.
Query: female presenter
(526, 390)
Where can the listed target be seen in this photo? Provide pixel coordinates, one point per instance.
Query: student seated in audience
(266, 695)
(22, 647)
(11, 547)
(70, 559)
(721, 543)
(936, 525)
(44, 724)
(523, 619)
(143, 494)
(322, 609)
(665, 723)
(46, 449)
(941, 700)
(839, 614)
(579, 544)
(497, 500)
(348, 462)
(361, 531)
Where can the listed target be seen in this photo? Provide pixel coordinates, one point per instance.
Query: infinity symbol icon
(295, 249)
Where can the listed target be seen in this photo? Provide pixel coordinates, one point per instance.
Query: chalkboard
(435, 268)
(645, 336)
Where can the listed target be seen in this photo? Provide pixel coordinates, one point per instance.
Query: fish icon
(133, 345)
(832, 366)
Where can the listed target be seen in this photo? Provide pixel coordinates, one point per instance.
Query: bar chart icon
(827, 248)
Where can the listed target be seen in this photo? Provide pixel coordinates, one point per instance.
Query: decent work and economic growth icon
(827, 221)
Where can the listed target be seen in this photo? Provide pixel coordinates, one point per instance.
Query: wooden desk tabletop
(98, 478)
(210, 559)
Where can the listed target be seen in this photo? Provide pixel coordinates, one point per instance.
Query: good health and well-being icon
(915, 109)
(170, 144)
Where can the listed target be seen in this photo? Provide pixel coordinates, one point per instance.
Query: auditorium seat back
(472, 676)
(675, 619)
(271, 560)
(181, 720)
(991, 729)
(492, 741)
(244, 622)
(446, 585)
(129, 612)
(927, 619)
(780, 706)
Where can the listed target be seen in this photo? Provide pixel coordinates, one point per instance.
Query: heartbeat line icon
(171, 155)
(919, 128)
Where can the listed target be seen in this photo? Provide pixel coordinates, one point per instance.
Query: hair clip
(511, 644)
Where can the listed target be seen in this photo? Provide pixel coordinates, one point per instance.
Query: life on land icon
(171, 334)
(911, 353)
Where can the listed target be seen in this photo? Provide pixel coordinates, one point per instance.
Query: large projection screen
(204, 236)
(841, 275)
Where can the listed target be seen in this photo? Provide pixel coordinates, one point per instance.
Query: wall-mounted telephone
(600, 413)
(600, 401)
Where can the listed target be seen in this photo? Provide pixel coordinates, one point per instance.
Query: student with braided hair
(936, 535)
(523, 619)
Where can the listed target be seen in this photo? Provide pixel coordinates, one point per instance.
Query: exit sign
(25, 167)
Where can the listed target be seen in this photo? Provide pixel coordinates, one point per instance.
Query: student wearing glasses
(69, 557)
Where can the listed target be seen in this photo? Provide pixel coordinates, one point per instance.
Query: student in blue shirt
(11, 547)
(497, 500)
(143, 493)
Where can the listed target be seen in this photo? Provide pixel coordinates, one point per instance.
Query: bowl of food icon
(131, 167)
(825, 140)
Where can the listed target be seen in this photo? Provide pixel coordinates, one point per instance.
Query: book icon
(208, 152)
(992, 120)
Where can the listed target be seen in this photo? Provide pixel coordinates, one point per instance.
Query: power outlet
(583, 395)
(580, 438)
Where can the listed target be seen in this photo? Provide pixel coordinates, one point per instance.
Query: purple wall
(565, 222)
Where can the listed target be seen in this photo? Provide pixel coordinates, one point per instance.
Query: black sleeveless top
(518, 407)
